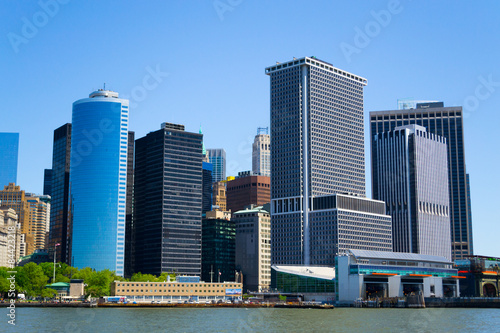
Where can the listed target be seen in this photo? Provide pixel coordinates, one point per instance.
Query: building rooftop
(359, 254)
(259, 209)
(317, 272)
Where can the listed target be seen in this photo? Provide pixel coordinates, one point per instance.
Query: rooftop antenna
(104, 85)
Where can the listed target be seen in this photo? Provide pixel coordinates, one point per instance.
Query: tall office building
(168, 201)
(446, 122)
(253, 247)
(207, 187)
(317, 145)
(410, 173)
(218, 247)
(47, 182)
(248, 189)
(129, 211)
(9, 231)
(98, 181)
(59, 218)
(219, 198)
(9, 150)
(261, 153)
(39, 217)
(13, 197)
(218, 159)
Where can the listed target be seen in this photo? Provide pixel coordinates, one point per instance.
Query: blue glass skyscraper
(9, 148)
(98, 181)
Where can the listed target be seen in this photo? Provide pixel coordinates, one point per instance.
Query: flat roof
(317, 272)
(408, 111)
(398, 256)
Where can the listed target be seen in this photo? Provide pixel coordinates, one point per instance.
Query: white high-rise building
(261, 153)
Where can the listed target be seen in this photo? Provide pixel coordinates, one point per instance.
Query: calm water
(252, 320)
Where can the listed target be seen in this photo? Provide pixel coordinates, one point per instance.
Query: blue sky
(209, 58)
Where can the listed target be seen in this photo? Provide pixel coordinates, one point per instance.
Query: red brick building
(248, 189)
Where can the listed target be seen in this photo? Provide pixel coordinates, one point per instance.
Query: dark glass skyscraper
(446, 122)
(129, 211)
(47, 182)
(9, 151)
(207, 187)
(168, 201)
(98, 181)
(58, 229)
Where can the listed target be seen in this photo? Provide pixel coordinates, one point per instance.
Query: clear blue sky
(215, 53)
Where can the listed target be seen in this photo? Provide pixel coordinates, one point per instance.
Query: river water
(251, 320)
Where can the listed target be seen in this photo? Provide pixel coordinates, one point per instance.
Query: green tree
(35, 277)
(99, 283)
(4, 283)
(48, 293)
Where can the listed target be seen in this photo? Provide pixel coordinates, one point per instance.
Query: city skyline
(422, 71)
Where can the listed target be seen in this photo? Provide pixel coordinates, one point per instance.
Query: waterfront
(251, 320)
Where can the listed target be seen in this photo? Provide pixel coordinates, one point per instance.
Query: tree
(48, 293)
(99, 283)
(35, 277)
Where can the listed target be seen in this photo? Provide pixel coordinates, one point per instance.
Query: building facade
(218, 247)
(410, 169)
(39, 218)
(448, 123)
(13, 197)
(10, 237)
(261, 153)
(129, 211)
(219, 198)
(253, 247)
(59, 218)
(373, 274)
(481, 276)
(248, 189)
(218, 159)
(168, 201)
(317, 145)
(9, 151)
(184, 289)
(98, 181)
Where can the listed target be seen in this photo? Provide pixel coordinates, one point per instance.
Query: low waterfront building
(481, 276)
(74, 290)
(309, 283)
(365, 274)
(185, 288)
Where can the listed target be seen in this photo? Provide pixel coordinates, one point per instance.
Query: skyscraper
(59, 228)
(9, 150)
(129, 211)
(410, 173)
(261, 153)
(218, 159)
(98, 181)
(446, 122)
(207, 187)
(317, 145)
(168, 200)
(47, 182)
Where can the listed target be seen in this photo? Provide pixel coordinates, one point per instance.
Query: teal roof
(259, 209)
(58, 284)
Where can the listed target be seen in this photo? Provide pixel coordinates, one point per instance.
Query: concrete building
(374, 274)
(218, 159)
(10, 234)
(261, 153)
(219, 198)
(13, 197)
(168, 201)
(59, 229)
(184, 289)
(253, 247)
(9, 151)
(218, 247)
(410, 173)
(248, 189)
(448, 123)
(98, 181)
(317, 145)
